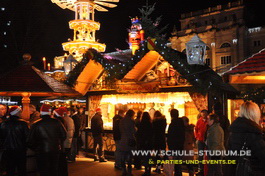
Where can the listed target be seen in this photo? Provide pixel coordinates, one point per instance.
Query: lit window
(226, 60)
(2, 9)
(5, 46)
(225, 45)
(4, 33)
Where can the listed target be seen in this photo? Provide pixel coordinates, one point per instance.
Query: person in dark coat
(3, 117)
(46, 138)
(117, 137)
(138, 118)
(14, 133)
(145, 132)
(189, 143)
(246, 129)
(79, 122)
(136, 158)
(176, 137)
(127, 142)
(63, 164)
(159, 135)
(97, 133)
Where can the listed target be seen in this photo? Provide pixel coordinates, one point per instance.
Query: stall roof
(27, 78)
(146, 64)
(201, 77)
(255, 63)
(87, 77)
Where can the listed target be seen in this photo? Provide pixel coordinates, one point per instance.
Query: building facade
(225, 31)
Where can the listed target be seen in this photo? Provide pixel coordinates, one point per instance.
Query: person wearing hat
(97, 131)
(46, 138)
(70, 128)
(14, 132)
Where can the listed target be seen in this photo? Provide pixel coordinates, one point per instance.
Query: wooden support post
(87, 122)
(224, 103)
(25, 103)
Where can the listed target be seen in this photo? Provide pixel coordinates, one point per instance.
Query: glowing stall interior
(149, 102)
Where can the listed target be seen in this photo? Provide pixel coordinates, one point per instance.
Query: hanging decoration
(151, 43)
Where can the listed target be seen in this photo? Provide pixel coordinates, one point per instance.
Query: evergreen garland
(73, 75)
(198, 75)
(202, 77)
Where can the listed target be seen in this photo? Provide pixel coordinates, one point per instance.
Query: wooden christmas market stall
(27, 81)
(155, 78)
(248, 77)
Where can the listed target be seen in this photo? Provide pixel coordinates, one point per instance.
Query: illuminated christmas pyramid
(84, 25)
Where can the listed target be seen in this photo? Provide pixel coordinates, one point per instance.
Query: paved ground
(87, 167)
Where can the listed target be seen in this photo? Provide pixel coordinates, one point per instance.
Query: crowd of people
(51, 134)
(146, 133)
(212, 132)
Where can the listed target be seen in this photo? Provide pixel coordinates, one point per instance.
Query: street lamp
(195, 51)
(69, 64)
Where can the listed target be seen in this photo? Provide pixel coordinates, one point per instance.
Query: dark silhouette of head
(121, 112)
(218, 108)
(174, 113)
(130, 113)
(139, 114)
(146, 118)
(213, 117)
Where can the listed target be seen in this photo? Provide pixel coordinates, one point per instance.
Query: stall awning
(255, 63)
(250, 71)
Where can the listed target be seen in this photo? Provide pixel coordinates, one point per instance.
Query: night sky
(40, 26)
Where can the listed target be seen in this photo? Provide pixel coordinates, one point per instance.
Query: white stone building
(223, 28)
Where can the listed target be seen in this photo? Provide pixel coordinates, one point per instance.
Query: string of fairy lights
(197, 75)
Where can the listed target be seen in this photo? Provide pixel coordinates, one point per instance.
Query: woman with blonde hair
(250, 111)
(245, 132)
